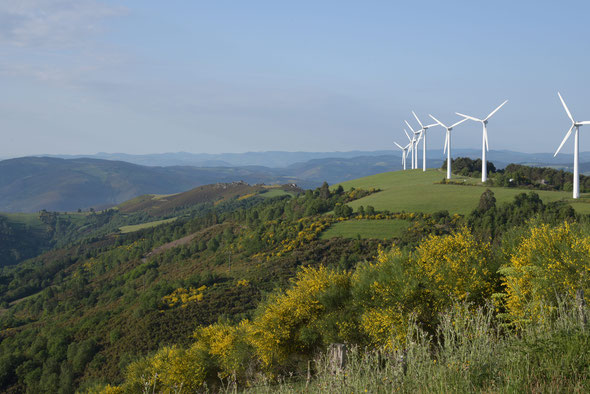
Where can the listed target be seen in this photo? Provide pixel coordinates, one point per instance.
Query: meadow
(137, 227)
(418, 191)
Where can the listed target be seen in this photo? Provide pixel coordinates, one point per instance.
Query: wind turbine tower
(447, 148)
(423, 134)
(484, 143)
(576, 146)
(404, 153)
(415, 142)
(411, 144)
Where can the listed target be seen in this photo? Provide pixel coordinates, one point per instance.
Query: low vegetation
(452, 313)
(521, 176)
(248, 292)
(365, 228)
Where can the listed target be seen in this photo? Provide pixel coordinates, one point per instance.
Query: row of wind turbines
(418, 135)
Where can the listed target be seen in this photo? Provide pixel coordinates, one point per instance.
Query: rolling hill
(418, 191)
(31, 184)
(125, 282)
(160, 205)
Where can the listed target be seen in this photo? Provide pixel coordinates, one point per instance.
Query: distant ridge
(281, 159)
(30, 184)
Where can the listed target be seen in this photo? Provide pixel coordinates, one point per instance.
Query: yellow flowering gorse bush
(549, 262)
(456, 265)
(182, 296)
(274, 333)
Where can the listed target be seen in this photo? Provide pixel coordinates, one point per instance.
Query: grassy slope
(379, 229)
(136, 227)
(416, 191)
(275, 192)
(28, 219)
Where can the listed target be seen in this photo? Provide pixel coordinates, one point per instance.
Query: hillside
(30, 184)
(162, 205)
(418, 191)
(77, 316)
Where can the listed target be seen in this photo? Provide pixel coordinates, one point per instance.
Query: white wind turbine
(576, 146)
(447, 148)
(411, 143)
(423, 134)
(415, 142)
(484, 144)
(404, 153)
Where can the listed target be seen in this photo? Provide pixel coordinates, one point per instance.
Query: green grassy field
(416, 191)
(29, 219)
(379, 229)
(274, 193)
(136, 227)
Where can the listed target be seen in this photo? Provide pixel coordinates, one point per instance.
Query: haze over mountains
(284, 159)
(68, 183)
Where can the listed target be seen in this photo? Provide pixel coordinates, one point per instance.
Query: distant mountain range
(279, 159)
(30, 184)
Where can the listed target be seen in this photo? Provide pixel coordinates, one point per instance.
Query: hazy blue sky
(83, 76)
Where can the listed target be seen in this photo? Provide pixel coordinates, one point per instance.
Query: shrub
(293, 322)
(456, 267)
(548, 263)
(171, 368)
(227, 345)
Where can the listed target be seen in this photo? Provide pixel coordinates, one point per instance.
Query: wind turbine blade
(430, 125)
(439, 122)
(446, 142)
(398, 145)
(407, 135)
(565, 139)
(569, 114)
(469, 117)
(458, 123)
(416, 116)
(409, 126)
(496, 110)
(584, 122)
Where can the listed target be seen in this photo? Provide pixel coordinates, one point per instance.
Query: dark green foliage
(542, 178)
(487, 201)
(468, 167)
(19, 242)
(492, 221)
(342, 211)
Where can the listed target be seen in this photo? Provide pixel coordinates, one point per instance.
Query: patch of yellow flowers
(182, 296)
(549, 262)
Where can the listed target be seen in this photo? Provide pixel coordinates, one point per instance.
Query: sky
(147, 76)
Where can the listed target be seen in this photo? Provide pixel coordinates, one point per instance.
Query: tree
(487, 201)
(213, 245)
(325, 191)
(342, 210)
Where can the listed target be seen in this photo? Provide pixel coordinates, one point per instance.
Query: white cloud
(54, 24)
